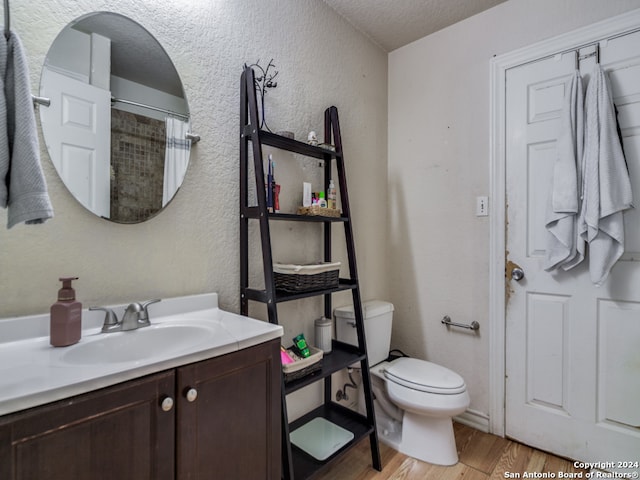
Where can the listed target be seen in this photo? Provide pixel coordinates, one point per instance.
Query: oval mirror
(117, 126)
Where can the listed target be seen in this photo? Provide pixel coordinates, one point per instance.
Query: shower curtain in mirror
(176, 156)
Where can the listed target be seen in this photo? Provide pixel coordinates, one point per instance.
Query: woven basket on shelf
(306, 283)
(302, 368)
(305, 278)
(319, 211)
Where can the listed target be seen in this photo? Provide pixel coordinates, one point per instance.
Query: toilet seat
(424, 376)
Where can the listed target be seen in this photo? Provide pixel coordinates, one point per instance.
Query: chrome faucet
(135, 316)
(144, 315)
(131, 318)
(111, 323)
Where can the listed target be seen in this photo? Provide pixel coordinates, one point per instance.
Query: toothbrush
(269, 186)
(274, 196)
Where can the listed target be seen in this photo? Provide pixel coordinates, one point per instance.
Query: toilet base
(393, 439)
(419, 435)
(429, 439)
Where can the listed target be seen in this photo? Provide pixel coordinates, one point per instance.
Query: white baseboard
(474, 419)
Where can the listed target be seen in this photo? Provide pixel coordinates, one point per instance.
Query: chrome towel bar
(193, 137)
(45, 102)
(447, 321)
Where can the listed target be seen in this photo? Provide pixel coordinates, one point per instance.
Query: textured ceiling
(394, 23)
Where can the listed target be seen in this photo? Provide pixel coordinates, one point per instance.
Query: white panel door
(78, 137)
(572, 349)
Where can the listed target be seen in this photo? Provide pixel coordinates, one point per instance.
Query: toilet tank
(378, 317)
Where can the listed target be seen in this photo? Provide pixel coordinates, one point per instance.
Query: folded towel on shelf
(606, 184)
(565, 248)
(24, 190)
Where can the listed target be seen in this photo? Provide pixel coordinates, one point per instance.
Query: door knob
(514, 271)
(517, 274)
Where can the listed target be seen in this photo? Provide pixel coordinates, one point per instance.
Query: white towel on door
(565, 248)
(607, 187)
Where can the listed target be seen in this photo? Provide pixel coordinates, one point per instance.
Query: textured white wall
(193, 246)
(438, 127)
(439, 163)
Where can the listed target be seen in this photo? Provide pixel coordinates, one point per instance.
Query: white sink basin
(183, 330)
(156, 341)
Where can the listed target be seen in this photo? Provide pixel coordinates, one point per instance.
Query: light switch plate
(482, 206)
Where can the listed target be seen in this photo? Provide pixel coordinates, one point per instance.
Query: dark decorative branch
(264, 79)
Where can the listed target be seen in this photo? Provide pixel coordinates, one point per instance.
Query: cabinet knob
(191, 394)
(166, 404)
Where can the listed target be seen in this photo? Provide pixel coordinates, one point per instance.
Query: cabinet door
(119, 432)
(232, 429)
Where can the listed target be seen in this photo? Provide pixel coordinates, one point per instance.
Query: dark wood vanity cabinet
(232, 429)
(224, 423)
(117, 432)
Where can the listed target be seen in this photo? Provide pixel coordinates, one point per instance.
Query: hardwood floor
(482, 457)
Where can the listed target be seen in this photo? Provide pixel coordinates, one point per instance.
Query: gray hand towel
(607, 187)
(26, 190)
(5, 153)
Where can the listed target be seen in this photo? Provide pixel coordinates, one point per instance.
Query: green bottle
(301, 345)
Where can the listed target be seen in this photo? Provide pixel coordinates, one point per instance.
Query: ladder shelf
(296, 464)
(254, 212)
(289, 144)
(341, 354)
(281, 296)
(306, 466)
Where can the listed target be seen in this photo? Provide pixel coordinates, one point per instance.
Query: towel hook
(7, 20)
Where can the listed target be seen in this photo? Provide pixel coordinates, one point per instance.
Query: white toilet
(415, 400)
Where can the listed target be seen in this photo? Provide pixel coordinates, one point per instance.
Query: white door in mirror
(78, 138)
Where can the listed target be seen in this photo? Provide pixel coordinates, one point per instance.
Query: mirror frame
(133, 182)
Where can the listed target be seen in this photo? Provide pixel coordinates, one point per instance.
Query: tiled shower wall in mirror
(137, 166)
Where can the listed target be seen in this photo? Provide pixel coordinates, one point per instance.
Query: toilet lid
(424, 376)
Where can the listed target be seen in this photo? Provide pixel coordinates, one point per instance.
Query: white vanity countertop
(32, 372)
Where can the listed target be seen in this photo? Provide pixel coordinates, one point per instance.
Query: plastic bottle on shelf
(331, 195)
(321, 201)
